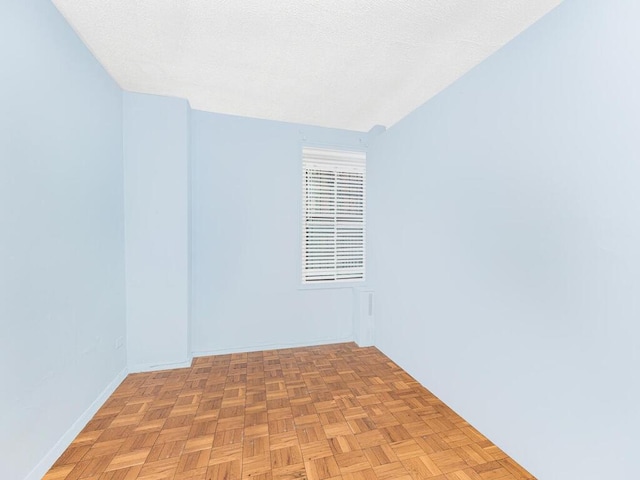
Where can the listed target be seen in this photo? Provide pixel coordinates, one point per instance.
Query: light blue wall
(246, 194)
(156, 159)
(62, 301)
(504, 225)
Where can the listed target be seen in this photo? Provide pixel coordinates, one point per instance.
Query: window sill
(332, 285)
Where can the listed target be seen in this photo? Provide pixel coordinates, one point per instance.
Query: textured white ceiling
(337, 63)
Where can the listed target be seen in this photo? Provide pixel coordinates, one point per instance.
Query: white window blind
(333, 223)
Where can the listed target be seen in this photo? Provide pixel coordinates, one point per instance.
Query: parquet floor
(335, 412)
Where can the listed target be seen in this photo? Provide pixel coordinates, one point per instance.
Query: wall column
(156, 170)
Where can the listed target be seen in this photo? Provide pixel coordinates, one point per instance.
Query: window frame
(351, 231)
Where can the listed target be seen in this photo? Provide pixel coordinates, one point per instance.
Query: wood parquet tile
(334, 412)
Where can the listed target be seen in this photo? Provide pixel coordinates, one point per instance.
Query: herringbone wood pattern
(320, 413)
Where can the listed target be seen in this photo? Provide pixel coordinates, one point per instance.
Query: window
(333, 217)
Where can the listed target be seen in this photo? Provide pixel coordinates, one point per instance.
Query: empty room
(321, 240)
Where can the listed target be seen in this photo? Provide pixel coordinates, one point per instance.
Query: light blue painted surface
(62, 299)
(246, 200)
(156, 169)
(504, 227)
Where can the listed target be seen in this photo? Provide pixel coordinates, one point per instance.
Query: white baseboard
(269, 346)
(154, 367)
(61, 445)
